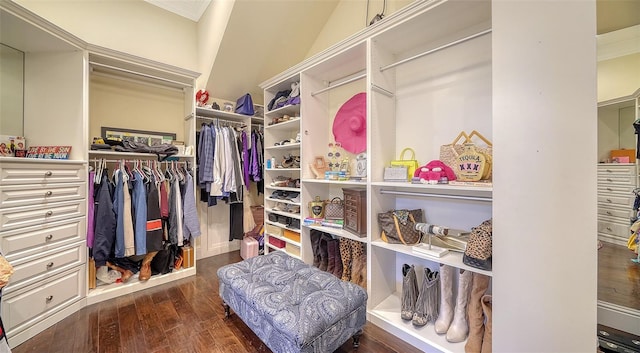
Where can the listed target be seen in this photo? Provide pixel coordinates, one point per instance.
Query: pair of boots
(419, 306)
(452, 321)
(326, 253)
(344, 258)
(354, 261)
(480, 310)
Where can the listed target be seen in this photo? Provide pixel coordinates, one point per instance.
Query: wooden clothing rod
(487, 31)
(424, 194)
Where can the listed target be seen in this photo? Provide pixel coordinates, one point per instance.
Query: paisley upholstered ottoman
(293, 306)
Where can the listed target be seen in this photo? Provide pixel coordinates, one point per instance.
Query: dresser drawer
(610, 227)
(23, 308)
(22, 242)
(616, 170)
(33, 269)
(616, 200)
(622, 180)
(32, 172)
(624, 213)
(608, 188)
(18, 217)
(23, 195)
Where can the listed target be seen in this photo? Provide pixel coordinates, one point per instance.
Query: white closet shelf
(338, 232)
(289, 146)
(113, 290)
(283, 201)
(283, 169)
(39, 160)
(284, 226)
(285, 239)
(283, 188)
(284, 250)
(288, 214)
(213, 113)
(484, 192)
(452, 258)
(340, 182)
(291, 124)
(287, 109)
(125, 155)
(387, 316)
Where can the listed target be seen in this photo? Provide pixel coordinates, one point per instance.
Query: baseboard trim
(619, 317)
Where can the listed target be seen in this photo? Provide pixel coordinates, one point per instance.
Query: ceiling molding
(619, 43)
(191, 9)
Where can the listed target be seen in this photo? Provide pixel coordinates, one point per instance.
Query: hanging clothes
(176, 235)
(129, 235)
(191, 223)
(91, 210)
(139, 203)
(105, 221)
(154, 217)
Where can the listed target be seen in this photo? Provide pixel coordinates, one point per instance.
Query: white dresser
(615, 201)
(42, 234)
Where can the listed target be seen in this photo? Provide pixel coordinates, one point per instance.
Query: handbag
(478, 253)
(450, 152)
(244, 105)
(334, 209)
(487, 151)
(411, 163)
(399, 226)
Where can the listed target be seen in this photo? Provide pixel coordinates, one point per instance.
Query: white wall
(210, 29)
(348, 18)
(130, 26)
(11, 91)
(618, 77)
(544, 231)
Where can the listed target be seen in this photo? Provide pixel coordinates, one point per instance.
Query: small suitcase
(249, 248)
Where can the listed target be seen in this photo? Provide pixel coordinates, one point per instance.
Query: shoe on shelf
(280, 181)
(295, 199)
(288, 161)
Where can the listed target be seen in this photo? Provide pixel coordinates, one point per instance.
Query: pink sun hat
(350, 124)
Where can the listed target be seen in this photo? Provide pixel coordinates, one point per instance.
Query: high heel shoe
(319, 167)
(125, 274)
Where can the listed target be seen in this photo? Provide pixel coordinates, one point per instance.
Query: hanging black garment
(236, 220)
(105, 221)
(154, 219)
(636, 126)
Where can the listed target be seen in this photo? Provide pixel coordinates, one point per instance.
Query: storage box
(187, 257)
(248, 247)
(292, 249)
(624, 156)
(277, 242)
(273, 230)
(292, 235)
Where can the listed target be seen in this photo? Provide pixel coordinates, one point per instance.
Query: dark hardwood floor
(181, 317)
(618, 276)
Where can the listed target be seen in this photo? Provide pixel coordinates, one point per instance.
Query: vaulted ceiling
(265, 37)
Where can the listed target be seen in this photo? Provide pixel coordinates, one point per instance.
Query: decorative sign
(49, 152)
(471, 164)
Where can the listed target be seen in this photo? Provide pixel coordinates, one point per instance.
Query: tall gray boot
(446, 299)
(409, 292)
(459, 328)
(427, 303)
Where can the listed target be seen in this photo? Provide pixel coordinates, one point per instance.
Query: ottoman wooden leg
(227, 310)
(356, 339)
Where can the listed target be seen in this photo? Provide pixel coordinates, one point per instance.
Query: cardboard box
(187, 256)
(292, 235)
(10, 144)
(292, 249)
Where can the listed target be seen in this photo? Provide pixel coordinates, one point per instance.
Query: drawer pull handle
(48, 173)
(48, 237)
(50, 264)
(48, 193)
(609, 213)
(609, 189)
(609, 228)
(49, 213)
(609, 179)
(608, 200)
(49, 299)
(609, 170)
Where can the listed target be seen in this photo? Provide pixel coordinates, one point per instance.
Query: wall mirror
(11, 91)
